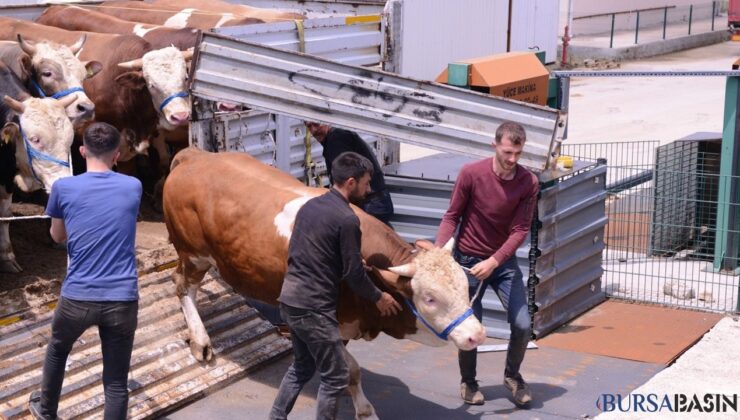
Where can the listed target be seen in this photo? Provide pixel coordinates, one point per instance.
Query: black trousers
(116, 323)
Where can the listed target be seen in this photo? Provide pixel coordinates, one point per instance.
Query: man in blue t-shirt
(95, 212)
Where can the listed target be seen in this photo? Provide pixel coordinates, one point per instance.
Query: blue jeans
(116, 323)
(316, 345)
(379, 205)
(506, 281)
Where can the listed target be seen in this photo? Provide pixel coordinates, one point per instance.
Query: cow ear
(9, 133)
(26, 67)
(424, 244)
(393, 281)
(93, 68)
(132, 80)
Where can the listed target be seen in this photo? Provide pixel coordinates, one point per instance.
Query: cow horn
(77, 46)
(450, 245)
(187, 54)
(67, 100)
(25, 46)
(406, 270)
(136, 64)
(16, 106)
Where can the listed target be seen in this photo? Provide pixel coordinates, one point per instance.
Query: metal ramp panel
(164, 375)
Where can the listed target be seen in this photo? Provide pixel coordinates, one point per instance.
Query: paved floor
(405, 380)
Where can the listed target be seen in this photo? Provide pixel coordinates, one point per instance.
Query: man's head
(317, 130)
(101, 141)
(510, 139)
(351, 173)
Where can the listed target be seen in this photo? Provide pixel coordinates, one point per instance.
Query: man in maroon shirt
(492, 204)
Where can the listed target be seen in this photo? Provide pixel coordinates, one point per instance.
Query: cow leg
(187, 277)
(363, 408)
(8, 263)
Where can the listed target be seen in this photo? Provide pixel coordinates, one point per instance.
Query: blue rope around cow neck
(171, 98)
(58, 95)
(35, 154)
(444, 335)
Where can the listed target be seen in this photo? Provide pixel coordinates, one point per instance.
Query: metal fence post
(726, 240)
(611, 37)
(714, 5)
(665, 20)
(637, 26)
(691, 13)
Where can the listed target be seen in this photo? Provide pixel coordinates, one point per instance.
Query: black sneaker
(519, 390)
(34, 405)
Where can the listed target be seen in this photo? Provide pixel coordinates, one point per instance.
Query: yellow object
(351, 20)
(565, 162)
(735, 37)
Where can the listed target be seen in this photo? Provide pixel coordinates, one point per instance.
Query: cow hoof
(367, 415)
(10, 266)
(202, 353)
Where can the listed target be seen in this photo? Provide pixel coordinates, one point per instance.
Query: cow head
(164, 72)
(43, 139)
(58, 72)
(438, 288)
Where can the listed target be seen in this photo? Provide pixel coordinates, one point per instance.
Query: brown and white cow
(74, 18)
(178, 17)
(136, 85)
(35, 138)
(232, 212)
(51, 69)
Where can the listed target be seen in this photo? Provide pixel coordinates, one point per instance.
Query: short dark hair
(350, 165)
(101, 138)
(514, 131)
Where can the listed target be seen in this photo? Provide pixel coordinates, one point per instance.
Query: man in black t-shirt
(336, 141)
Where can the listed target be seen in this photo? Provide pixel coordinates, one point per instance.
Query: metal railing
(655, 23)
(661, 236)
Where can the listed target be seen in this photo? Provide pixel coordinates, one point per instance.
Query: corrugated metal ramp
(163, 373)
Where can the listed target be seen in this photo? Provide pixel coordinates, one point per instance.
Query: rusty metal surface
(163, 373)
(635, 332)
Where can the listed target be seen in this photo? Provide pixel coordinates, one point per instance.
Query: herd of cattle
(126, 63)
(122, 62)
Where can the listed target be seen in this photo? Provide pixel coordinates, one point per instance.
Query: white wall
(534, 23)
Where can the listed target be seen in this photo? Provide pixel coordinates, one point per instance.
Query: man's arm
(353, 270)
(58, 231)
(458, 202)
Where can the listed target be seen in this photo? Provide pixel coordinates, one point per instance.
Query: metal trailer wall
(278, 140)
(563, 274)
(320, 7)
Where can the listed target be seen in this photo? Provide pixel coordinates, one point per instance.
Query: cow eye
(46, 74)
(430, 300)
(34, 140)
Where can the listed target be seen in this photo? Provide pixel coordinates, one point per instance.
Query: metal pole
(637, 26)
(714, 6)
(691, 12)
(611, 37)
(665, 20)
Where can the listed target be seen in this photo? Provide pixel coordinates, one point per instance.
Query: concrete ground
(406, 380)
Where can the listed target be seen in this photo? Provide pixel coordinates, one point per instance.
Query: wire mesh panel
(663, 230)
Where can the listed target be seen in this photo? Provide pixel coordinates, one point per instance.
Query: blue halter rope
(171, 98)
(35, 154)
(58, 95)
(446, 333)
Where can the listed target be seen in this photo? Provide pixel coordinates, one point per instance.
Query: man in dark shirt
(336, 141)
(324, 249)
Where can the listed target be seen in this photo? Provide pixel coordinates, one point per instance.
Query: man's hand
(366, 267)
(387, 305)
(484, 269)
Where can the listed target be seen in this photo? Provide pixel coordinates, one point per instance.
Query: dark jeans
(116, 323)
(379, 205)
(316, 345)
(506, 281)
